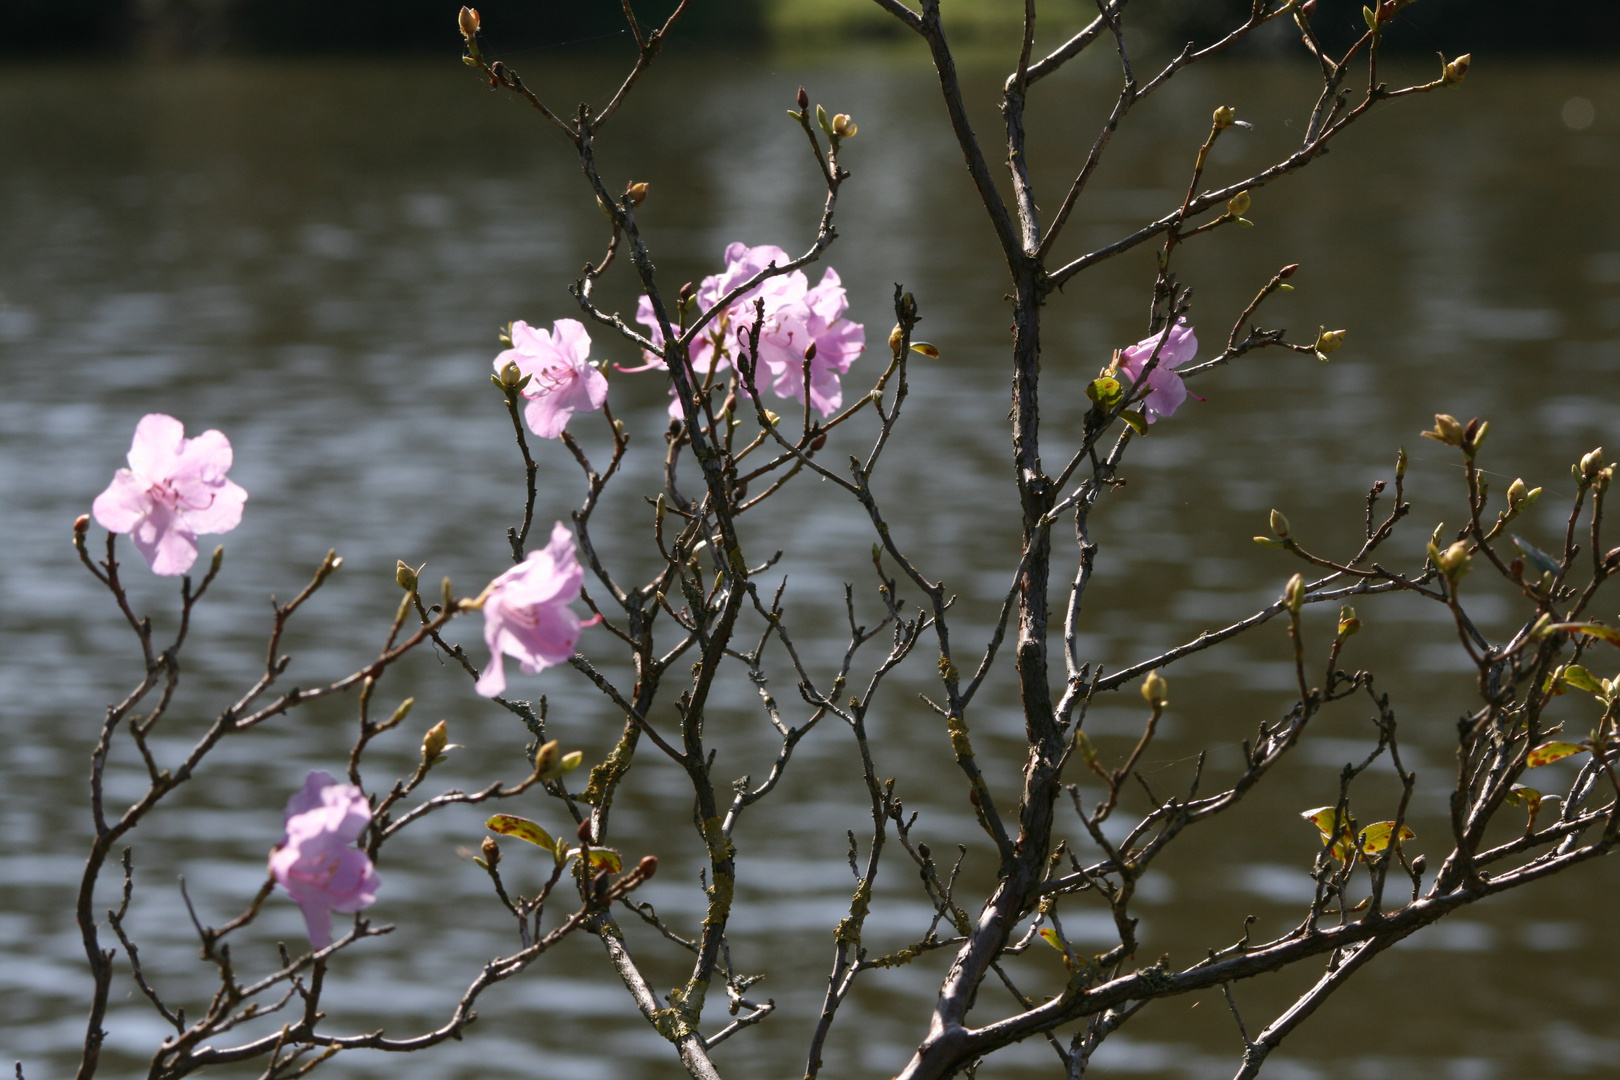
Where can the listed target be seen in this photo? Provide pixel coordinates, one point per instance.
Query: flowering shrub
(708, 614)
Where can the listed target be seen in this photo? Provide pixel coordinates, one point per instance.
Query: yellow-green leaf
(602, 858)
(1610, 634)
(1547, 753)
(1375, 837)
(1104, 391)
(1527, 797)
(1135, 419)
(1581, 679)
(1323, 818)
(927, 349)
(1050, 936)
(522, 828)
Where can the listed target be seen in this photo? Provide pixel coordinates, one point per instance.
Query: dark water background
(314, 258)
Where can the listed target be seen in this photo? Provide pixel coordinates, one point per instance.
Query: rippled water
(315, 259)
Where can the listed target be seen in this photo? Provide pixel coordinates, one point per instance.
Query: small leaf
(929, 350)
(1527, 797)
(1088, 749)
(1544, 562)
(565, 765)
(1371, 17)
(1323, 819)
(1135, 419)
(523, 829)
(1598, 630)
(602, 859)
(1547, 753)
(1050, 936)
(1375, 837)
(1581, 679)
(1104, 391)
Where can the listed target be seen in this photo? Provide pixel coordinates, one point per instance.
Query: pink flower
(526, 614)
(811, 324)
(1166, 391)
(174, 488)
(561, 382)
(797, 317)
(315, 861)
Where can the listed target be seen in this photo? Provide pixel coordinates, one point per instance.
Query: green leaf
(1050, 936)
(1371, 16)
(1547, 753)
(523, 829)
(1324, 819)
(1135, 419)
(1527, 797)
(1581, 679)
(1375, 837)
(1598, 630)
(1105, 391)
(1543, 562)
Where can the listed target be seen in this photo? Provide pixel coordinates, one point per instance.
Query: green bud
(1348, 623)
(1154, 689)
(1447, 430)
(1279, 524)
(1224, 117)
(1294, 593)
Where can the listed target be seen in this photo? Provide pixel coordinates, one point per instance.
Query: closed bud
(1457, 70)
(635, 194)
(511, 376)
(1328, 341)
(1279, 524)
(1601, 480)
(819, 441)
(406, 576)
(844, 127)
(1224, 117)
(810, 351)
(1591, 463)
(1474, 434)
(648, 866)
(803, 99)
(584, 831)
(81, 524)
(1447, 429)
(468, 21)
(545, 758)
(1288, 271)
(1348, 623)
(563, 766)
(1238, 205)
(1294, 593)
(1400, 464)
(1420, 864)
(491, 851)
(1516, 493)
(897, 339)
(1453, 561)
(435, 742)
(1154, 689)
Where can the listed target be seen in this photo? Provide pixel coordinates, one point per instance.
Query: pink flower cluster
(174, 488)
(801, 323)
(316, 862)
(562, 381)
(1166, 391)
(526, 613)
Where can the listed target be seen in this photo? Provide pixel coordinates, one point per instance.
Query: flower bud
(511, 375)
(1154, 689)
(435, 742)
(1279, 524)
(803, 99)
(1457, 70)
(1348, 623)
(406, 577)
(545, 758)
(1454, 561)
(1446, 430)
(897, 339)
(648, 866)
(1288, 271)
(635, 194)
(818, 442)
(1328, 341)
(81, 524)
(1224, 117)
(1420, 864)
(1238, 205)
(491, 851)
(468, 22)
(1591, 463)
(1294, 593)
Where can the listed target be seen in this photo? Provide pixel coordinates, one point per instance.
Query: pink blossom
(526, 614)
(562, 381)
(315, 861)
(1166, 391)
(174, 488)
(810, 324)
(796, 317)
